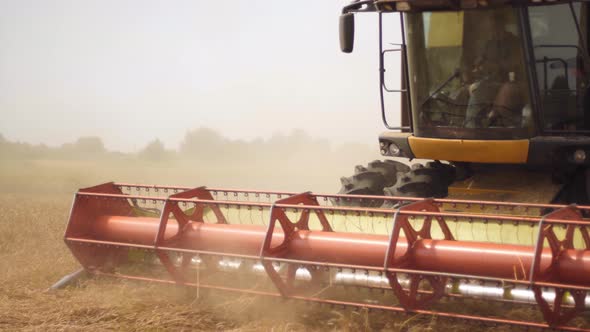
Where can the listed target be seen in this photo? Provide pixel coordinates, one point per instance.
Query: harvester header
(419, 254)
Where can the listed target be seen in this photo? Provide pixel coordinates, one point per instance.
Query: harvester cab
(486, 84)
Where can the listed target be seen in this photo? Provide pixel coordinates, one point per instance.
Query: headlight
(580, 156)
(394, 150)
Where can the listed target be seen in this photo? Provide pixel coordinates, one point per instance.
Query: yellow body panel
(476, 151)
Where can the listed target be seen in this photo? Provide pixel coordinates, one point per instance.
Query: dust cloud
(290, 162)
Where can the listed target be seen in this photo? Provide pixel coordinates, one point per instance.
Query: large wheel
(370, 180)
(430, 180)
(389, 169)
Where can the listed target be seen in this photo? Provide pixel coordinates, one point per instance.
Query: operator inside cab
(495, 96)
(474, 76)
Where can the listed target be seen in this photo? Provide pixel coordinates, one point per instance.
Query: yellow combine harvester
(495, 94)
(497, 88)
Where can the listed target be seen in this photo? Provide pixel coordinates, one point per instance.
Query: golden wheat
(34, 204)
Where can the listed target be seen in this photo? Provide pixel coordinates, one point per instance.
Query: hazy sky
(131, 71)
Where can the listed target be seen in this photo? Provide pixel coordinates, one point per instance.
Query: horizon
(253, 140)
(134, 71)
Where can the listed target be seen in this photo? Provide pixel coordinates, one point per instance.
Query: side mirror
(347, 32)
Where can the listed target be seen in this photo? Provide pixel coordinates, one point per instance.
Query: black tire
(389, 169)
(445, 173)
(430, 180)
(370, 180)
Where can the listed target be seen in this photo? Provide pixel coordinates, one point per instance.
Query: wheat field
(35, 198)
(33, 256)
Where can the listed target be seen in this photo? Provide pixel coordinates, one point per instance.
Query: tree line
(204, 144)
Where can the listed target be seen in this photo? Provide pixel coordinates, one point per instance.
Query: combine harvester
(498, 90)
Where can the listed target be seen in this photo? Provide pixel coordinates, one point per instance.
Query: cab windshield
(467, 74)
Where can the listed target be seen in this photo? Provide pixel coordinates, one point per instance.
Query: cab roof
(441, 5)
